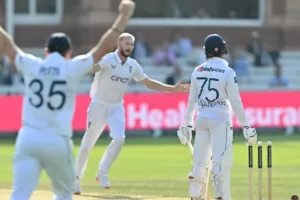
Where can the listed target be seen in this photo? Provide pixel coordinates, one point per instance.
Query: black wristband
(116, 30)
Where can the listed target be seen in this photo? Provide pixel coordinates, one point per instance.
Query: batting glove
(250, 135)
(184, 134)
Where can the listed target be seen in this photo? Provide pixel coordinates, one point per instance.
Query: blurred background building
(262, 37)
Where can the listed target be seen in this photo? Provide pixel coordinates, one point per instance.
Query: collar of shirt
(118, 58)
(55, 57)
(217, 60)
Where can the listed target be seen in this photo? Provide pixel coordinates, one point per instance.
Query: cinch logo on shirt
(119, 79)
(210, 69)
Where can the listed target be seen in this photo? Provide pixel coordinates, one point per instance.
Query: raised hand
(127, 7)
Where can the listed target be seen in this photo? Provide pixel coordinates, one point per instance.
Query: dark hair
(60, 43)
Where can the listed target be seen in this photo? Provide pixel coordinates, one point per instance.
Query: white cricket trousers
(214, 137)
(35, 151)
(99, 115)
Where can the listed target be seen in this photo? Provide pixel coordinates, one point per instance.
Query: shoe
(77, 186)
(102, 179)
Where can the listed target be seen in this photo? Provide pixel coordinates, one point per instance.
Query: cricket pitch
(46, 195)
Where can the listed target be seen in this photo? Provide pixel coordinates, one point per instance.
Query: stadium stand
(259, 76)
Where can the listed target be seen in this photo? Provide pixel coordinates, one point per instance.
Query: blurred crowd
(231, 9)
(241, 59)
(174, 50)
(253, 54)
(8, 73)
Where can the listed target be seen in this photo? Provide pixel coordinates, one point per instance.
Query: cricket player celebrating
(214, 88)
(44, 141)
(106, 107)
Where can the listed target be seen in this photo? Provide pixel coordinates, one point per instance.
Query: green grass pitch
(159, 168)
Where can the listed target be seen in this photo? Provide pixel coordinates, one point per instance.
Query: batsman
(214, 91)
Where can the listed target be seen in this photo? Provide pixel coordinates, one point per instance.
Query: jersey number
(53, 91)
(209, 87)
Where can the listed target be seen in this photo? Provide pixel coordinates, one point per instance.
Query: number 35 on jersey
(52, 97)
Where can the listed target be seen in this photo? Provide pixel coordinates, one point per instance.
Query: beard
(125, 53)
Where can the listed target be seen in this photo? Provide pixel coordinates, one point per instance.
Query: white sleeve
(104, 62)
(139, 74)
(192, 103)
(235, 99)
(82, 65)
(27, 63)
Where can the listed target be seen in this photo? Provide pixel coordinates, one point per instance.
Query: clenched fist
(127, 7)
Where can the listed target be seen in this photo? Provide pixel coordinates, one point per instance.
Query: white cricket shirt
(111, 81)
(214, 91)
(50, 91)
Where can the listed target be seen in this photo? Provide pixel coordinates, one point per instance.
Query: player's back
(50, 91)
(210, 79)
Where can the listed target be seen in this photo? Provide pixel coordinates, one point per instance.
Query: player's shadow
(116, 197)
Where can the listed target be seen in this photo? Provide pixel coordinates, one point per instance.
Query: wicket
(260, 167)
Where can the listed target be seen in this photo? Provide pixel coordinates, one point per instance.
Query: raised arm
(7, 46)
(107, 42)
